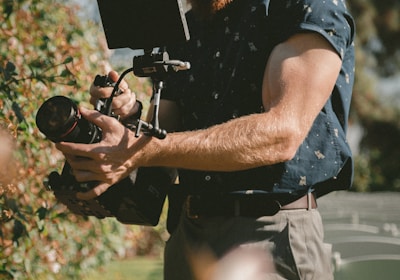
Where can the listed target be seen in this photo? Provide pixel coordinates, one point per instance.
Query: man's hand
(123, 105)
(108, 161)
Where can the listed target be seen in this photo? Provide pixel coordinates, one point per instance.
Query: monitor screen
(143, 24)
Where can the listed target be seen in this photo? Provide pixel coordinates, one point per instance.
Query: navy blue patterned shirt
(228, 54)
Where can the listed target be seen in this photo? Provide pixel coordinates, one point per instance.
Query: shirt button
(207, 178)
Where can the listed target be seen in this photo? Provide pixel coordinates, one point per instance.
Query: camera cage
(162, 23)
(156, 66)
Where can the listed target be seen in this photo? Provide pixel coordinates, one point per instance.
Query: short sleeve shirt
(228, 54)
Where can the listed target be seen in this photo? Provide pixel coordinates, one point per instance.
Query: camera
(138, 198)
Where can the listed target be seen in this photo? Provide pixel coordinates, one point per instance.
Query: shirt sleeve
(329, 18)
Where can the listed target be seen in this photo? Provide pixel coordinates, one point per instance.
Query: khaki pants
(288, 245)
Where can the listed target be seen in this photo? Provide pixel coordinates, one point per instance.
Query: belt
(246, 205)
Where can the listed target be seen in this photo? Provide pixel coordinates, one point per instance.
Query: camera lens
(59, 119)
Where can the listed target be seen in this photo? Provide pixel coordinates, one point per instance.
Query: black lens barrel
(59, 119)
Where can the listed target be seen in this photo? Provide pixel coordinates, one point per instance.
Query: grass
(134, 269)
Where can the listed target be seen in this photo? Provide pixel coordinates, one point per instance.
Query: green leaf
(9, 71)
(41, 213)
(18, 112)
(8, 7)
(10, 67)
(68, 60)
(72, 83)
(6, 275)
(18, 230)
(65, 73)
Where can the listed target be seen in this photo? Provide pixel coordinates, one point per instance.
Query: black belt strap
(246, 205)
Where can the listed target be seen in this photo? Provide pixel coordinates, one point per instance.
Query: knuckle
(97, 191)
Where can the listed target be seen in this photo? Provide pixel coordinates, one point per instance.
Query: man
(257, 132)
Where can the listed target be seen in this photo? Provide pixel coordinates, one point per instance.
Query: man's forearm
(239, 144)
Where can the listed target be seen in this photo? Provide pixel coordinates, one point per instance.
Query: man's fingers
(97, 118)
(76, 149)
(84, 164)
(93, 193)
(114, 76)
(124, 104)
(98, 92)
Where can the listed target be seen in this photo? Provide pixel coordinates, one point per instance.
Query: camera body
(137, 199)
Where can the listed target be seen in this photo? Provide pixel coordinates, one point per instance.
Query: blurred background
(54, 47)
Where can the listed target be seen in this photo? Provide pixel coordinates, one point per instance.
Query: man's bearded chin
(207, 8)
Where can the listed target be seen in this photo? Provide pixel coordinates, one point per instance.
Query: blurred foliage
(138, 268)
(378, 56)
(378, 34)
(46, 50)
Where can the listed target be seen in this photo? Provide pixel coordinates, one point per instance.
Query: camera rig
(139, 198)
(157, 66)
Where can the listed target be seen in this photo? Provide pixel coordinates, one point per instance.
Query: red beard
(207, 8)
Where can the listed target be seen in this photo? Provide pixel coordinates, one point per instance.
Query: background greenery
(46, 50)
